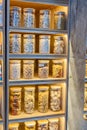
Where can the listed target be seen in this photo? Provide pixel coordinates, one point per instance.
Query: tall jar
(85, 98)
(28, 69)
(45, 19)
(15, 43)
(29, 17)
(58, 69)
(15, 101)
(15, 16)
(44, 44)
(29, 99)
(43, 98)
(55, 98)
(15, 69)
(60, 20)
(28, 43)
(42, 125)
(59, 45)
(54, 124)
(1, 14)
(31, 125)
(14, 126)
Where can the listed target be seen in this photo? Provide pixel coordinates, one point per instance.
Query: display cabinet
(36, 64)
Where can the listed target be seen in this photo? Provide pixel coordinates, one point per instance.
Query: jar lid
(15, 35)
(58, 37)
(60, 13)
(15, 8)
(29, 88)
(16, 89)
(29, 10)
(42, 88)
(29, 36)
(45, 11)
(14, 125)
(15, 61)
(57, 61)
(43, 61)
(53, 120)
(55, 87)
(42, 122)
(30, 123)
(28, 61)
(44, 36)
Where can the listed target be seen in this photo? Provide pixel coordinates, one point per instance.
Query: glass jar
(59, 45)
(29, 43)
(42, 125)
(29, 17)
(85, 98)
(58, 69)
(43, 98)
(0, 70)
(55, 98)
(14, 126)
(29, 99)
(54, 124)
(60, 20)
(45, 19)
(15, 69)
(44, 44)
(31, 125)
(28, 69)
(15, 100)
(15, 16)
(43, 68)
(15, 43)
(1, 14)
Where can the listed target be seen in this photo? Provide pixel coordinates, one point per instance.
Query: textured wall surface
(78, 38)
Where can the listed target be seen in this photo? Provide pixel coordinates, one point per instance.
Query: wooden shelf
(36, 81)
(35, 116)
(36, 56)
(36, 31)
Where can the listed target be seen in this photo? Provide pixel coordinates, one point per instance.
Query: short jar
(15, 43)
(15, 16)
(28, 43)
(15, 69)
(28, 69)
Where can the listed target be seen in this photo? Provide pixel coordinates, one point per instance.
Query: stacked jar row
(48, 124)
(29, 20)
(25, 99)
(29, 44)
(16, 72)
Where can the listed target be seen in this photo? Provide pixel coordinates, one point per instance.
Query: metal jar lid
(15, 8)
(30, 10)
(28, 61)
(15, 35)
(15, 61)
(30, 36)
(44, 36)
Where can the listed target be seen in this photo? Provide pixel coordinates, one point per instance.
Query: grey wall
(78, 36)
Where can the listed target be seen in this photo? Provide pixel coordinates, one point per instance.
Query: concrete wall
(78, 37)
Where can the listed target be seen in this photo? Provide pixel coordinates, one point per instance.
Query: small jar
(44, 20)
(15, 16)
(60, 20)
(44, 44)
(54, 124)
(14, 126)
(15, 69)
(31, 125)
(43, 98)
(28, 69)
(58, 69)
(15, 43)
(29, 17)
(55, 98)
(29, 99)
(1, 14)
(0, 70)
(28, 43)
(42, 125)
(59, 45)
(15, 101)
(85, 98)
(43, 68)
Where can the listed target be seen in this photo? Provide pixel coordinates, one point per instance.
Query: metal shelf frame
(7, 83)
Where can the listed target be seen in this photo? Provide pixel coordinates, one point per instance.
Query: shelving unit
(58, 5)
